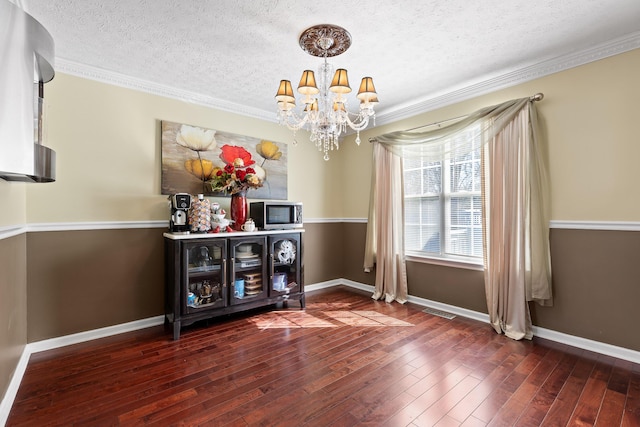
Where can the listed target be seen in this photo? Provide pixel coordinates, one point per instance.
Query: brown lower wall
(459, 287)
(596, 286)
(596, 283)
(324, 253)
(90, 279)
(13, 306)
(83, 280)
(353, 239)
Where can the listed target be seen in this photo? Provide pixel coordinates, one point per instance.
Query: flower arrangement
(237, 175)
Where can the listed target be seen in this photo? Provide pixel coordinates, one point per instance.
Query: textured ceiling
(232, 54)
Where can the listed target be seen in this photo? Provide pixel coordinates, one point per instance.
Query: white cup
(249, 226)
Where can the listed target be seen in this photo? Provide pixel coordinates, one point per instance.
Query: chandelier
(325, 112)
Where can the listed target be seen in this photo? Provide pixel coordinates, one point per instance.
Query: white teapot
(249, 225)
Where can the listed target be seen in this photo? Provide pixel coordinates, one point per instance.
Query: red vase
(239, 210)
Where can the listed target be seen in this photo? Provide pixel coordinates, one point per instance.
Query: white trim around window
(447, 262)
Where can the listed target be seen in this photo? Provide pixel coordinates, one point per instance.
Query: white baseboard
(549, 334)
(586, 344)
(49, 344)
(458, 311)
(338, 282)
(14, 384)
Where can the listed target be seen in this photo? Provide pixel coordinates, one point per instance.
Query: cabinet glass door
(248, 269)
(284, 264)
(205, 284)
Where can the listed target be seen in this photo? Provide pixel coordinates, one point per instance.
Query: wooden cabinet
(248, 273)
(205, 280)
(209, 275)
(285, 263)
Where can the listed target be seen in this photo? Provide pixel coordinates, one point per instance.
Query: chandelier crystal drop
(325, 114)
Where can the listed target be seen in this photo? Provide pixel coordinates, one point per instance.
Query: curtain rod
(533, 98)
(537, 97)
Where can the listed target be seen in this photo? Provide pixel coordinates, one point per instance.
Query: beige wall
(14, 204)
(590, 113)
(107, 140)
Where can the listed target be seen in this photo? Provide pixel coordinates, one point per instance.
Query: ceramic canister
(239, 288)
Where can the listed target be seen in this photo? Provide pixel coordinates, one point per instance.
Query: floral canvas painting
(198, 160)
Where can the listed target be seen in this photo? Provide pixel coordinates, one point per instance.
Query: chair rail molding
(13, 230)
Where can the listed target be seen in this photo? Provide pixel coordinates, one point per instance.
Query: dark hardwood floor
(346, 360)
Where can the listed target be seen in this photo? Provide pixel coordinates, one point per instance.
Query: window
(443, 211)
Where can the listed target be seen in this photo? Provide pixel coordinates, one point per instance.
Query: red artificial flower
(219, 173)
(241, 174)
(228, 168)
(231, 152)
(251, 170)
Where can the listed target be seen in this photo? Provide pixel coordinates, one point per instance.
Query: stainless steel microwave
(276, 215)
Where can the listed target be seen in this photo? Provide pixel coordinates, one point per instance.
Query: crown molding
(523, 75)
(117, 79)
(560, 63)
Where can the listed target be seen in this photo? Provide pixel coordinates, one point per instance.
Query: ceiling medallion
(325, 112)
(325, 40)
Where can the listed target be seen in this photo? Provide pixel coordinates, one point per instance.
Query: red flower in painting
(235, 176)
(232, 152)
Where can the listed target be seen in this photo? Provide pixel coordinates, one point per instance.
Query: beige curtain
(516, 234)
(385, 230)
(517, 262)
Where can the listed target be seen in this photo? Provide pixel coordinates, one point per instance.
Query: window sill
(447, 262)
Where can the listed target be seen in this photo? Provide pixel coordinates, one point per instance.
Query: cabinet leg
(302, 302)
(176, 331)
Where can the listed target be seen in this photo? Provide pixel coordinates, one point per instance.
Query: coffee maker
(180, 204)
